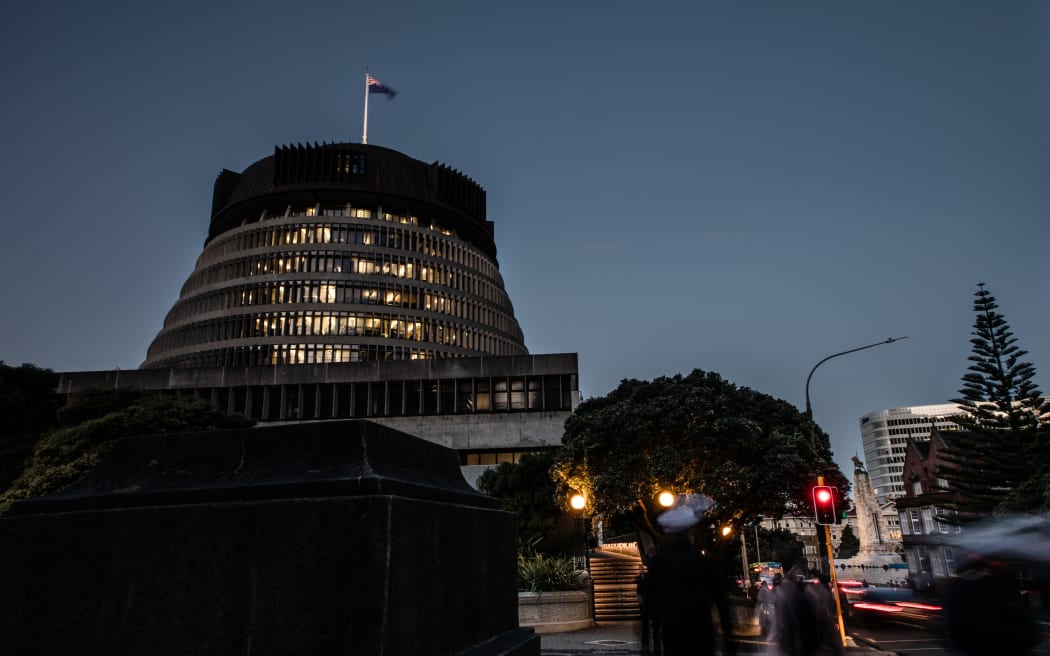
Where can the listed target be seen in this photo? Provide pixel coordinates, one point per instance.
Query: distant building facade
(346, 281)
(927, 521)
(884, 434)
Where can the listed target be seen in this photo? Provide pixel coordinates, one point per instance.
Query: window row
(916, 422)
(292, 324)
(293, 292)
(396, 398)
(494, 457)
(938, 561)
(351, 234)
(350, 263)
(281, 354)
(928, 521)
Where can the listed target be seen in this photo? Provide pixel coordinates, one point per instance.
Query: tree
(527, 490)
(699, 434)
(784, 547)
(65, 454)
(849, 543)
(1002, 450)
(28, 406)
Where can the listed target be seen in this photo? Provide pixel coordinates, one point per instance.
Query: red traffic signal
(824, 504)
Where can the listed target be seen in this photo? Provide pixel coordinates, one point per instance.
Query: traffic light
(824, 504)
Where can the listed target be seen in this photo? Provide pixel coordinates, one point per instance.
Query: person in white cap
(683, 586)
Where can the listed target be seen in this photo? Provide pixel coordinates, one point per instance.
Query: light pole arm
(809, 409)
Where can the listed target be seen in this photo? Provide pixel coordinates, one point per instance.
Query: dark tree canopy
(849, 544)
(749, 452)
(1002, 455)
(28, 401)
(999, 392)
(63, 455)
(28, 406)
(527, 490)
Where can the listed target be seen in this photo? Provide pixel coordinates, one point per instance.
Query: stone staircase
(615, 575)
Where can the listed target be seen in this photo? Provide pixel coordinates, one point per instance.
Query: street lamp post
(809, 408)
(821, 537)
(578, 502)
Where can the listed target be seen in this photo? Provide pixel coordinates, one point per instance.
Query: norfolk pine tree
(1002, 448)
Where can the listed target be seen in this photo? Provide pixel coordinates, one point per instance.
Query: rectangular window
(447, 399)
(938, 564)
(916, 527)
(499, 394)
(412, 398)
(552, 393)
(482, 398)
(465, 396)
(927, 521)
(924, 560)
(517, 394)
(430, 398)
(396, 402)
(535, 399)
(938, 514)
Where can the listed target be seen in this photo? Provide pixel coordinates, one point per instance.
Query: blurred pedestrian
(796, 626)
(822, 603)
(683, 586)
(985, 613)
(650, 625)
(764, 607)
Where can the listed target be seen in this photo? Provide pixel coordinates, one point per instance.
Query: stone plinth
(555, 612)
(328, 538)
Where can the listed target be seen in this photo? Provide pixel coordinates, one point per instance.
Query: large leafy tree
(526, 489)
(696, 434)
(849, 545)
(28, 407)
(65, 454)
(1001, 456)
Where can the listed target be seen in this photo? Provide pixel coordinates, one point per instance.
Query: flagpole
(364, 133)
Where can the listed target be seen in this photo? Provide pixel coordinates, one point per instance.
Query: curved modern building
(341, 253)
(346, 281)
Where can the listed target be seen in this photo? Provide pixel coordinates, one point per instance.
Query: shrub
(539, 573)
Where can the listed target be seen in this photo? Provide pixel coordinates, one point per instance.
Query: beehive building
(341, 253)
(352, 281)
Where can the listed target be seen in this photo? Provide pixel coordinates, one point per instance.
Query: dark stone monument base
(335, 538)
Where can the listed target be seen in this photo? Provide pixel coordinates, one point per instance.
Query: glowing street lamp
(666, 499)
(578, 501)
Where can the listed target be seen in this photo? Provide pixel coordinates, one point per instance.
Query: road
(915, 639)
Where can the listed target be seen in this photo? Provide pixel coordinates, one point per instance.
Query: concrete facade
(489, 410)
(884, 434)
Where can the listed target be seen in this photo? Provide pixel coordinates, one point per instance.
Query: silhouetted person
(822, 605)
(796, 626)
(765, 607)
(985, 613)
(650, 625)
(683, 587)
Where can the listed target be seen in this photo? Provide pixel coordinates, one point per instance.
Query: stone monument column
(872, 530)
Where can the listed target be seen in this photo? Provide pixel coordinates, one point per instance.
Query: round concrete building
(341, 253)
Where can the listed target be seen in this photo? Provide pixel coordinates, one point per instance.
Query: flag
(375, 86)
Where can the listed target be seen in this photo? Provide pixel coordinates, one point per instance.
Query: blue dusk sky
(743, 186)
